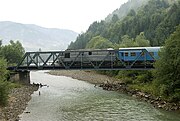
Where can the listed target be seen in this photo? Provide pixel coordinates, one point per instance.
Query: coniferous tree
(3, 83)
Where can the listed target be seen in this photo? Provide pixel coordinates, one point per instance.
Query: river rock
(18, 99)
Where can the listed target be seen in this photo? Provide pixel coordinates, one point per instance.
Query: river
(67, 99)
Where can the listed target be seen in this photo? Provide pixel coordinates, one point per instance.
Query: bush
(143, 77)
(3, 83)
(148, 88)
(3, 92)
(176, 96)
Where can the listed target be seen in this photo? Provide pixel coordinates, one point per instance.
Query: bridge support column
(22, 77)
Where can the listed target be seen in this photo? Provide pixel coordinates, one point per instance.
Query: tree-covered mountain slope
(156, 20)
(125, 9)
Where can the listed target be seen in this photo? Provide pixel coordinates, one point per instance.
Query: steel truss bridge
(79, 60)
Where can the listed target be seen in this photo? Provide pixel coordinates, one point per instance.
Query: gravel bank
(18, 99)
(89, 76)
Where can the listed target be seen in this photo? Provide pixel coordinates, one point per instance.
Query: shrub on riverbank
(3, 92)
(5, 87)
(3, 83)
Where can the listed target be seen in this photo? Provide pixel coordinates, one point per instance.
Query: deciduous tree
(167, 71)
(12, 52)
(99, 42)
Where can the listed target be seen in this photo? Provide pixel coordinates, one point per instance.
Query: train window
(90, 53)
(111, 53)
(133, 54)
(122, 54)
(126, 54)
(67, 55)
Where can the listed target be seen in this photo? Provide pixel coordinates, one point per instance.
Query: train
(102, 59)
(107, 57)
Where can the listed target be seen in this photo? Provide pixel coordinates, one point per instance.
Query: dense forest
(155, 23)
(125, 8)
(10, 54)
(157, 20)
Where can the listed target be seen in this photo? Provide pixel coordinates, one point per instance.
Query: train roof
(89, 50)
(141, 48)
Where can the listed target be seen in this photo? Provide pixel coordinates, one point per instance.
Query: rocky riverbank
(113, 84)
(18, 99)
(155, 101)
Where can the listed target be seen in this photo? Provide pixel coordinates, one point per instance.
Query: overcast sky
(75, 15)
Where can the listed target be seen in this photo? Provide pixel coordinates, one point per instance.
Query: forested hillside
(125, 9)
(157, 20)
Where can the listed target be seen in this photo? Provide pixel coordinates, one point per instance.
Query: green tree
(167, 71)
(131, 13)
(3, 71)
(12, 52)
(141, 40)
(99, 42)
(3, 83)
(115, 18)
(127, 41)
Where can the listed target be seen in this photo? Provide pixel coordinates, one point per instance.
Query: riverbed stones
(18, 99)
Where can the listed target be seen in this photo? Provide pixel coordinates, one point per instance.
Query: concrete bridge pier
(22, 77)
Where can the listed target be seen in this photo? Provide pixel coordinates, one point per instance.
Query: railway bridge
(84, 60)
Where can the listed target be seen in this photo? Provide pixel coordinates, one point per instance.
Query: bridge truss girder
(55, 60)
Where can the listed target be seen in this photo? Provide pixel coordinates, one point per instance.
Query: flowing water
(67, 99)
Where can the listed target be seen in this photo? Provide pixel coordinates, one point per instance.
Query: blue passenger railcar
(138, 54)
